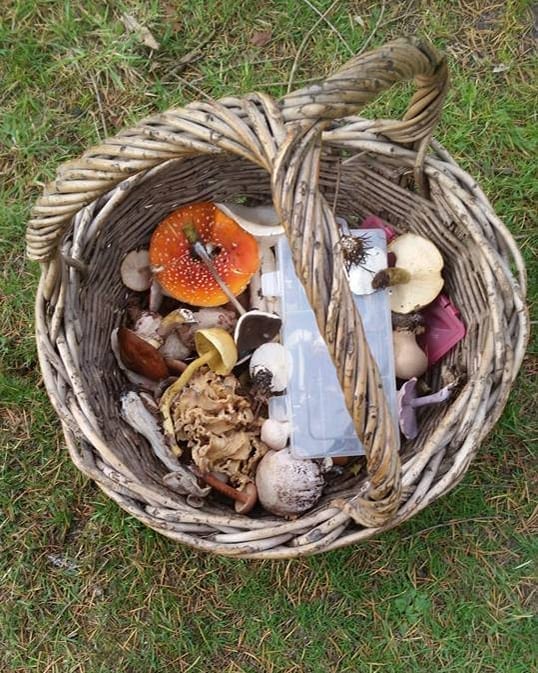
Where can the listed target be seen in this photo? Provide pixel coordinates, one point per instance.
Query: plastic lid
(314, 402)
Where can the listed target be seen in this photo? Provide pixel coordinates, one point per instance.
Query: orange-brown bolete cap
(182, 274)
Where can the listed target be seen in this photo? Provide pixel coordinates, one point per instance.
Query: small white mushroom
(271, 363)
(360, 276)
(135, 271)
(275, 433)
(174, 348)
(147, 327)
(286, 485)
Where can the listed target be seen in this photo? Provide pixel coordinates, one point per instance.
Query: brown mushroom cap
(140, 356)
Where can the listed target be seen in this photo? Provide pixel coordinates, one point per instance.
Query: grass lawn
(86, 588)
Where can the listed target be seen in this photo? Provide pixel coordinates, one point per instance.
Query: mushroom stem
(435, 398)
(223, 488)
(175, 365)
(199, 248)
(216, 348)
(172, 391)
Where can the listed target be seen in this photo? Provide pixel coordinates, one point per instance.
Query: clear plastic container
(313, 402)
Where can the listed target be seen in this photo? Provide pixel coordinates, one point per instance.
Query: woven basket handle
(285, 140)
(314, 239)
(365, 76)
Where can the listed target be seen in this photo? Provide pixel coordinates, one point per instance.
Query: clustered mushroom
(203, 414)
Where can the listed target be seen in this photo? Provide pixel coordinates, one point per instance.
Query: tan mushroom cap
(222, 344)
(423, 261)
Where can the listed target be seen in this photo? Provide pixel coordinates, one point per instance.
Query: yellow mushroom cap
(423, 261)
(218, 340)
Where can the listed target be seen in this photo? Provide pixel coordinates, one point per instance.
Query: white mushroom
(360, 275)
(416, 279)
(409, 359)
(275, 433)
(262, 222)
(271, 364)
(286, 485)
(147, 327)
(135, 271)
(173, 348)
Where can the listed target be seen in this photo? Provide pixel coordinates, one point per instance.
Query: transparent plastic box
(313, 402)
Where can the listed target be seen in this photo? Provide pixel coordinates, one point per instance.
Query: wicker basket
(313, 167)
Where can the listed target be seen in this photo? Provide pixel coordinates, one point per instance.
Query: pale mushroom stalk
(200, 250)
(408, 402)
(435, 398)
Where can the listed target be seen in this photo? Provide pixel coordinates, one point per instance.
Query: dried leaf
(261, 37)
(142, 33)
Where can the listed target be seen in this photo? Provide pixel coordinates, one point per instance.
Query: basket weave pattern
(313, 167)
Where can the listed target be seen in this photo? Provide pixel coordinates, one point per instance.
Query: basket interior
(355, 185)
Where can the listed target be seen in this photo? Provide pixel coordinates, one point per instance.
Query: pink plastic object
(374, 222)
(444, 329)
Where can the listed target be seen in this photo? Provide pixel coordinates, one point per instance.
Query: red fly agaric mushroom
(182, 274)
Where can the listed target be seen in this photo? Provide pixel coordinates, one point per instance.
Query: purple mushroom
(408, 402)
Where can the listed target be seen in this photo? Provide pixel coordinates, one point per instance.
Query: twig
(199, 91)
(99, 105)
(337, 187)
(192, 56)
(451, 522)
(331, 26)
(304, 42)
(378, 23)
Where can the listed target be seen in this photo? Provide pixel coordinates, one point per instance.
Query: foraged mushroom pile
(199, 344)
